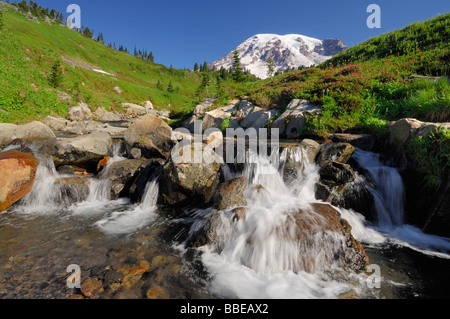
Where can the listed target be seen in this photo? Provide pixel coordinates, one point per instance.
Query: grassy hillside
(428, 39)
(29, 49)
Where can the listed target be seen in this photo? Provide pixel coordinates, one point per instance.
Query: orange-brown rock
(17, 173)
(91, 287)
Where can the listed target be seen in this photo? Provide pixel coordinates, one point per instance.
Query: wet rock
(17, 174)
(438, 222)
(75, 189)
(121, 173)
(322, 225)
(312, 148)
(334, 173)
(91, 287)
(231, 194)
(338, 152)
(365, 142)
(151, 135)
(132, 277)
(139, 183)
(239, 213)
(191, 176)
(84, 151)
(155, 293)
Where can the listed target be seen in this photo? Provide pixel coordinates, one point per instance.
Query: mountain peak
(287, 51)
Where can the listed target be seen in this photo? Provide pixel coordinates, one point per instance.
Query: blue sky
(181, 32)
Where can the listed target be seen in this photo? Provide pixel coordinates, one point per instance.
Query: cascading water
(389, 195)
(261, 257)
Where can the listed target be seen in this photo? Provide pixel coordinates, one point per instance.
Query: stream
(114, 240)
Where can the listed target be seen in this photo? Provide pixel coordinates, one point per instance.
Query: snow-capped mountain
(287, 51)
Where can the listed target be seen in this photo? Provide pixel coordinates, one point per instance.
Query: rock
(312, 148)
(254, 116)
(231, 194)
(56, 123)
(201, 109)
(339, 152)
(33, 131)
(63, 96)
(17, 174)
(209, 231)
(294, 118)
(314, 229)
(151, 135)
(117, 89)
(135, 153)
(334, 173)
(75, 189)
(121, 173)
(438, 222)
(139, 182)
(405, 130)
(148, 105)
(134, 109)
(65, 170)
(239, 213)
(215, 118)
(91, 287)
(214, 140)
(84, 151)
(81, 112)
(133, 277)
(364, 142)
(105, 116)
(192, 175)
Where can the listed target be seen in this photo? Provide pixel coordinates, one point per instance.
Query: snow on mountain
(287, 51)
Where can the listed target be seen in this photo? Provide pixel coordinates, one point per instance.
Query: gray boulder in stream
(192, 175)
(151, 135)
(84, 151)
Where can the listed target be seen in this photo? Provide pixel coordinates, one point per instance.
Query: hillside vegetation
(30, 48)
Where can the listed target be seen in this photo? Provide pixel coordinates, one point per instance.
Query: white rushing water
(255, 261)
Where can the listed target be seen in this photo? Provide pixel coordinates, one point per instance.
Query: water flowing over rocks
(17, 174)
(230, 194)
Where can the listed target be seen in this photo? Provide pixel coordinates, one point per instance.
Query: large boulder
(254, 116)
(230, 194)
(74, 188)
(84, 151)
(122, 173)
(191, 176)
(151, 135)
(405, 130)
(33, 131)
(215, 118)
(293, 119)
(134, 109)
(17, 174)
(81, 112)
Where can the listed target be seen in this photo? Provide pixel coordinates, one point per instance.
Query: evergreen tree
(150, 57)
(196, 67)
(135, 51)
(205, 67)
(238, 74)
(100, 38)
(271, 66)
(56, 75)
(2, 25)
(159, 85)
(170, 87)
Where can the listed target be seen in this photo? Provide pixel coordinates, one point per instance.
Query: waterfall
(262, 256)
(389, 193)
(45, 195)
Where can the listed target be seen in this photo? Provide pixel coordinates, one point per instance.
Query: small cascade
(45, 194)
(389, 193)
(128, 221)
